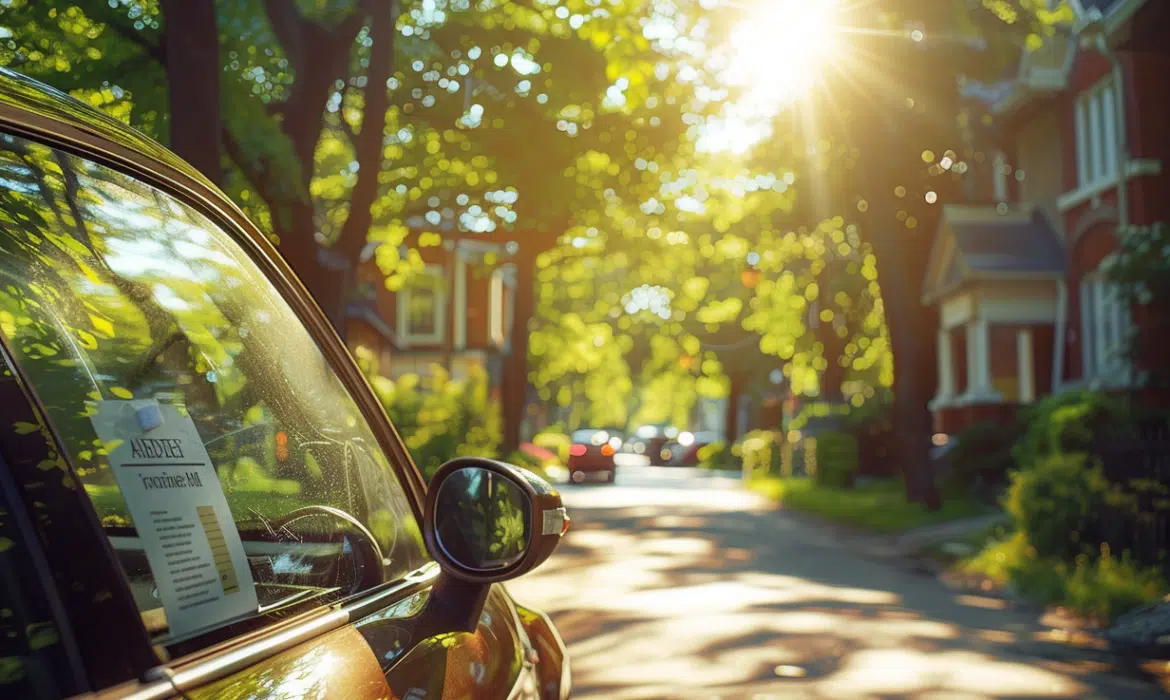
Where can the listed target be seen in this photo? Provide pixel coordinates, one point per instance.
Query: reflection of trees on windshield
(110, 289)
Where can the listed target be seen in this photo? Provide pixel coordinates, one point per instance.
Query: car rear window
(116, 298)
(590, 436)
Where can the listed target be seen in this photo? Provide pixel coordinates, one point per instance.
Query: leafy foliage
(1071, 422)
(837, 458)
(440, 418)
(1057, 502)
(1102, 586)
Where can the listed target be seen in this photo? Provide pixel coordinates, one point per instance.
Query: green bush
(982, 455)
(556, 441)
(1104, 586)
(1057, 504)
(1071, 422)
(716, 455)
(440, 418)
(757, 450)
(836, 464)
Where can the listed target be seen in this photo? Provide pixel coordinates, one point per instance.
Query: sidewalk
(904, 545)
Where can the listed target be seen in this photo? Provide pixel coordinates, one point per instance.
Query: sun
(780, 49)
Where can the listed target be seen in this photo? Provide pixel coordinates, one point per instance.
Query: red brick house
(1014, 272)
(470, 306)
(456, 313)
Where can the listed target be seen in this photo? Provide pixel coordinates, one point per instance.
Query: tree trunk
(901, 264)
(731, 421)
(192, 65)
(515, 380)
(368, 146)
(319, 55)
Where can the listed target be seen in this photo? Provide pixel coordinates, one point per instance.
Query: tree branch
(369, 142)
(289, 29)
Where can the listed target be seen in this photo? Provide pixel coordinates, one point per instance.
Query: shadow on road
(666, 592)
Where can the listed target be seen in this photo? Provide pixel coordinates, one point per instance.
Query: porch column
(979, 362)
(946, 366)
(1026, 373)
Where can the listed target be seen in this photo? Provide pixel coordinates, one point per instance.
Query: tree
(191, 47)
(890, 147)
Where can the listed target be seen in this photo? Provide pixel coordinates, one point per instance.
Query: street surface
(675, 584)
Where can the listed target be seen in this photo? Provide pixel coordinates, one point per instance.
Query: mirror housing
(547, 520)
(458, 597)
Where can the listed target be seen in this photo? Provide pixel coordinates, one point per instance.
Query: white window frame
(1105, 331)
(497, 315)
(406, 337)
(999, 179)
(1096, 130)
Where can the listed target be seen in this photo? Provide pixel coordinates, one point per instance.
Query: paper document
(179, 510)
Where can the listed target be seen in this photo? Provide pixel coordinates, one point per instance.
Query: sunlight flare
(780, 49)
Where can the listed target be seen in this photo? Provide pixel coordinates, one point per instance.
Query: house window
(1105, 327)
(1096, 126)
(422, 308)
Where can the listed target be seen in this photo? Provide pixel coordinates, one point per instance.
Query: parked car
(649, 440)
(684, 451)
(201, 495)
(591, 454)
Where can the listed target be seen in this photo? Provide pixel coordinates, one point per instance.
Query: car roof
(22, 92)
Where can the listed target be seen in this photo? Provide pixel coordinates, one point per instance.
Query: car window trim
(224, 213)
(214, 663)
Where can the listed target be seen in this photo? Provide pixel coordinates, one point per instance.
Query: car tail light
(607, 449)
(578, 450)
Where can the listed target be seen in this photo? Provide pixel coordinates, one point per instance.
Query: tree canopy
(680, 262)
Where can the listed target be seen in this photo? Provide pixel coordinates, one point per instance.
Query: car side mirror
(485, 521)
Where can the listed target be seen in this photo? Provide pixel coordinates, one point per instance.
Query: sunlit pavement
(672, 584)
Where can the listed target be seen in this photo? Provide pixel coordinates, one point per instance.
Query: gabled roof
(981, 243)
(1043, 71)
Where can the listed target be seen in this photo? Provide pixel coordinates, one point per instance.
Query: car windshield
(120, 303)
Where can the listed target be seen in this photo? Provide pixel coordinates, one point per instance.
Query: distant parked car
(591, 454)
(684, 451)
(649, 440)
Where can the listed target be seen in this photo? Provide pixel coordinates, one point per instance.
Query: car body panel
(331, 650)
(337, 664)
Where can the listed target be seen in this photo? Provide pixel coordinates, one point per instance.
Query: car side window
(117, 299)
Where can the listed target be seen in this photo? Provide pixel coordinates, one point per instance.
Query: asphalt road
(673, 584)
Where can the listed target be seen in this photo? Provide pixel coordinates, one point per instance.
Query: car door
(131, 308)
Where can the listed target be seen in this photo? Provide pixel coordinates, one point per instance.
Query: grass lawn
(879, 506)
